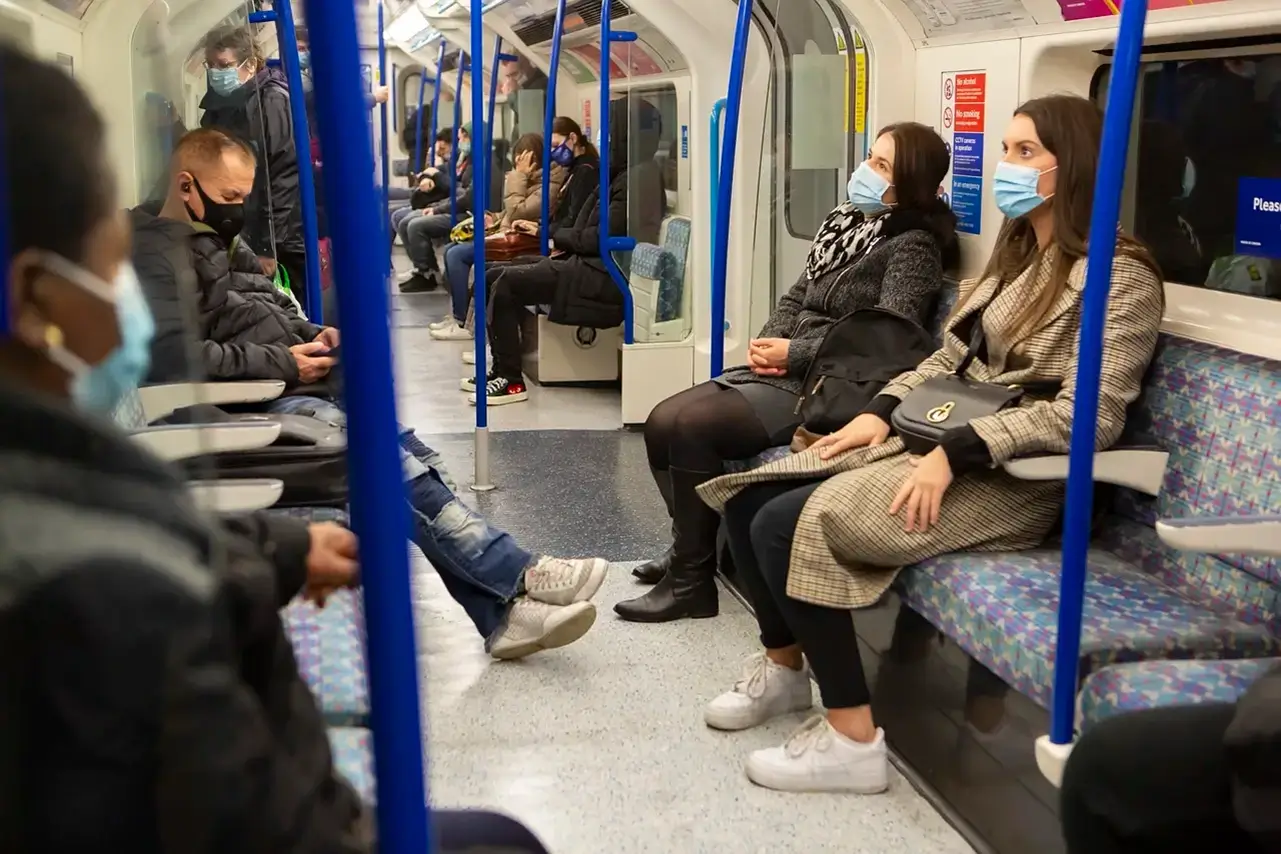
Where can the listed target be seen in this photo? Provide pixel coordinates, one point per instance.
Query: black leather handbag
(949, 402)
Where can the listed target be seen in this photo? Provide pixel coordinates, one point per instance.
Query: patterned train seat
(657, 282)
(1216, 412)
(1155, 684)
(329, 646)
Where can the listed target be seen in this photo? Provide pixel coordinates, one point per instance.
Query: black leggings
(701, 427)
(1153, 782)
(761, 522)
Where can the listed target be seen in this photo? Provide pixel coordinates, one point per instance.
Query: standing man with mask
(251, 101)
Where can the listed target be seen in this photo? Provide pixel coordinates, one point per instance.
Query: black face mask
(227, 220)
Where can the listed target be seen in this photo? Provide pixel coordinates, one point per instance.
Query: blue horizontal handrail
(1105, 214)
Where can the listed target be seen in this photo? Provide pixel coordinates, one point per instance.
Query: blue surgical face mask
(224, 81)
(100, 388)
(464, 149)
(304, 60)
(867, 190)
(562, 155)
(1016, 189)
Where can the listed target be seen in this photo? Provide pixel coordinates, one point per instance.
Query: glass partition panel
(643, 139)
(159, 91)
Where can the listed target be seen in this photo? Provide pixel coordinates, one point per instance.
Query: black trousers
(699, 428)
(511, 288)
(1153, 782)
(761, 523)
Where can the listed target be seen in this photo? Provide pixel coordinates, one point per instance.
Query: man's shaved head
(213, 161)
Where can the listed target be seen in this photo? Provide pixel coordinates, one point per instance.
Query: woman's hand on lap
(922, 492)
(863, 432)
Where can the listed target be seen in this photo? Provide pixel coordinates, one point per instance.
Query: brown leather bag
(507, 245)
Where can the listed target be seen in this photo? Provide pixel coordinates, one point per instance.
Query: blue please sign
(1259, 217)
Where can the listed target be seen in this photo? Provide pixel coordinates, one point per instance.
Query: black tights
(1153, 782)
(698, 429)
(761, 523)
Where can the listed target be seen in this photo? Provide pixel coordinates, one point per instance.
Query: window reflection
(1209, 138)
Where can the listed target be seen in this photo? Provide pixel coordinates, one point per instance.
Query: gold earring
(53, 336)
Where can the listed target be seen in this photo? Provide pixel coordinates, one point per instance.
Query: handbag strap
(976, 341)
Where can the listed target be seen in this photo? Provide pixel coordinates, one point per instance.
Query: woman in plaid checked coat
(824, 531)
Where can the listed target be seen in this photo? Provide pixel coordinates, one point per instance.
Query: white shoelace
(552, 574)
(755, 675)
(814, 733)
(495, 386)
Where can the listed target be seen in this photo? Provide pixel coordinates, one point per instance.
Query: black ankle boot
(653, 572)
(688, 588)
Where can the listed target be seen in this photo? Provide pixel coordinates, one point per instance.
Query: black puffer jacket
(587, 294)
(1253, 744)
(258, 112)
(243, 325)
(152, 702)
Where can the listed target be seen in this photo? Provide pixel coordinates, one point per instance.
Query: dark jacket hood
(635, 129)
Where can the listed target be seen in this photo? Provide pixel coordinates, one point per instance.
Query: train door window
(523, 86)
(644, 134)
(817, 104)
(1206, 165)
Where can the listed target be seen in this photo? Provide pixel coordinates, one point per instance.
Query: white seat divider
(1140, 469)
(182, 441)
(236, 496)
(159, 401)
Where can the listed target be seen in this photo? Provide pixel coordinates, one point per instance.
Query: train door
(813, 135)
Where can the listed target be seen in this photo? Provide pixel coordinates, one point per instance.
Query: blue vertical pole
(609, 245)
(384, 147)
(549, 118)
(435, 105)
(283, 16)
(418, 123)
(480, 163)
(714, 160)
(453, 153)
(1098, 280)
(725, 187)
(379, 511)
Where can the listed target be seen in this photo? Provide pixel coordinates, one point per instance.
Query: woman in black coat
(888, 246)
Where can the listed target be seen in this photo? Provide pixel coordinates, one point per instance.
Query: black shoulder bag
(858, 355)
(949, 402)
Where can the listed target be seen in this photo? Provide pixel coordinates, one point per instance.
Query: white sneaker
(469, 356)
(560, 582)
(441, 324)
(764, 691)
(817, 758)
(467, 383)
(451, 331)
(535, 626)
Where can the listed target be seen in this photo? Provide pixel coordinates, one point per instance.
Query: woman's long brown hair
(1070, 128)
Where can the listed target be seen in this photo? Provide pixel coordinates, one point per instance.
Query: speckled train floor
(600, 747)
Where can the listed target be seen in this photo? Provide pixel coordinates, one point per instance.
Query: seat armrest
(1141, 468)
(182, 442)
(236, 496)
(161, 400)
(1238, 535)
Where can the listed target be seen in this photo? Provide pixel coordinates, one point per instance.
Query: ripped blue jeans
(482, 568)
